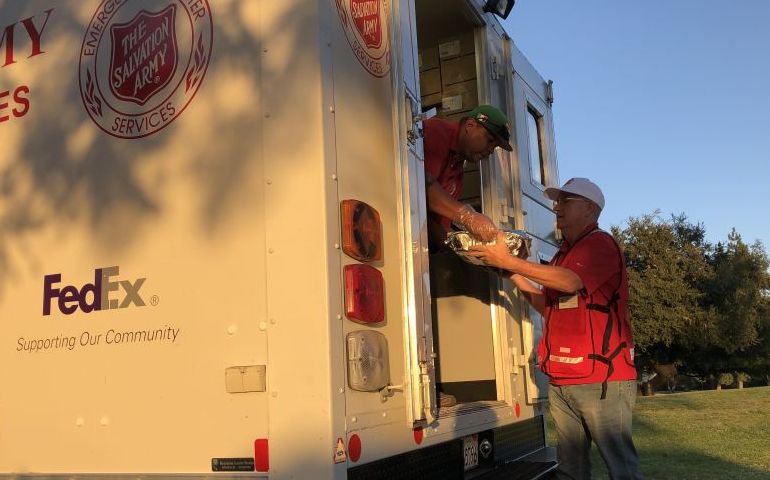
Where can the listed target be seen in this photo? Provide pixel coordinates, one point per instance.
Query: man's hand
(497, 255)
(478, 225)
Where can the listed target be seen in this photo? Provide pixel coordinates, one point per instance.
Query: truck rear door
(420, 366)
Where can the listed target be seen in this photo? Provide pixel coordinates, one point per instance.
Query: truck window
(535, 139)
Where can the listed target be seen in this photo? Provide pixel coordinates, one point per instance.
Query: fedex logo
(103, 294)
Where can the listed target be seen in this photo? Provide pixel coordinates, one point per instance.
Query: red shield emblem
(366, 17)
(144, 55)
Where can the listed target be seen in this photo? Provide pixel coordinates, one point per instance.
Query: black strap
(607, 335)
(598, 306)
(610, 368)
(606, 309)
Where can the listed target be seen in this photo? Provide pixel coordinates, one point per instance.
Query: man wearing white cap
(586, 348)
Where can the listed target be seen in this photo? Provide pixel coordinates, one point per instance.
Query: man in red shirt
(447, 146)
(587, 347)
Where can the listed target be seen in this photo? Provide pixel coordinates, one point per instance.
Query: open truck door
(417, 312)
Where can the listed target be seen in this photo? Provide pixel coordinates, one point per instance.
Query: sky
(665, 104)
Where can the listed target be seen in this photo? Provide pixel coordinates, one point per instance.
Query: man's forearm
(530, 292)
(556, 278)
(440, 202)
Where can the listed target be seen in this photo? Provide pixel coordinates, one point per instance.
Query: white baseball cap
(578, 186)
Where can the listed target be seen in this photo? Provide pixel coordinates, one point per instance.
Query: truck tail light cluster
(367, 350)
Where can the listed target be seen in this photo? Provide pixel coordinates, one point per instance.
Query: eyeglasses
(563, 200)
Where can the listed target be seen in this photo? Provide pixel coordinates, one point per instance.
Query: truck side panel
(176, 218)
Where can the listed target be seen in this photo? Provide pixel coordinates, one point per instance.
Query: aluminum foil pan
(519, 243)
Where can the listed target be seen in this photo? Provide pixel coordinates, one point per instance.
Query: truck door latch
(416, 132)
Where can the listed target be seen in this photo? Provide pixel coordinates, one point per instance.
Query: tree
(704, 308)
(666, 265)
(755, 360)
(741, 378)
(737, 292)
(725, 379)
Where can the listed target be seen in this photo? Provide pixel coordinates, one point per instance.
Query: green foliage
(704, 307)
(736, 292)
(666, 264)
(726, 379)
(741, 378)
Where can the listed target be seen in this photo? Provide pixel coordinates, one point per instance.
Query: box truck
(213, 249)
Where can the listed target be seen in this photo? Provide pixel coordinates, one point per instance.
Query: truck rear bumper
(518, 451)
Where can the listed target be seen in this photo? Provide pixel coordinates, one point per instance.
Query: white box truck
(213, 248)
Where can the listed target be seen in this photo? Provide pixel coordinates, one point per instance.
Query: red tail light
(261, 455)
(364, 294)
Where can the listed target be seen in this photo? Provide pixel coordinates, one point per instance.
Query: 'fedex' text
(103, 294)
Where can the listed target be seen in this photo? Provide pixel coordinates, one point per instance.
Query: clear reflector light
(368, 365)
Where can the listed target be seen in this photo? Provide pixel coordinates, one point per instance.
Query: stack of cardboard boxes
(448, 82)
(448, 76)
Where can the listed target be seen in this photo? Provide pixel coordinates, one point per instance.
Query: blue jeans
(580, 415)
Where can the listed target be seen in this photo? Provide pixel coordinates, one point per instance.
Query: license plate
(471, 451)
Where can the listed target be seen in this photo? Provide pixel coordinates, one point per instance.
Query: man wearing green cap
(447, 146)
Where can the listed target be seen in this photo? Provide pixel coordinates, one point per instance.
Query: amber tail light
(361, 231)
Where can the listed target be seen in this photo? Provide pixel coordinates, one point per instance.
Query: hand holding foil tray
(519, 243)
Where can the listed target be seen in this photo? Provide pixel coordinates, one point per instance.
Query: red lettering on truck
(20, 105)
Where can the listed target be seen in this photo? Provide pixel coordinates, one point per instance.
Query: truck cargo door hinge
(494, 67)
(412, 135)
(416, 131)
(549, 92)
(420, 117)
(517, 361)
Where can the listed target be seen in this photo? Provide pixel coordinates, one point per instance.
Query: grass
(700, 436)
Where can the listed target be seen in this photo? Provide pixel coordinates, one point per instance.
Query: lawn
(701, 435)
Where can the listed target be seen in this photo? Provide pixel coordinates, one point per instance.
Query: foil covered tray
(519, 243)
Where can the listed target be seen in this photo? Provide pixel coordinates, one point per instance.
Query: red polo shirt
(441, 158)
(595, 259)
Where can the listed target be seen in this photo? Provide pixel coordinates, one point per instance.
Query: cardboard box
(433, 100)
(457, 46)
(428, 58)
(430, 81)
(458, 97)
(458, 69)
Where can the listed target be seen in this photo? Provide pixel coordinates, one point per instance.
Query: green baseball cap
(495, 122)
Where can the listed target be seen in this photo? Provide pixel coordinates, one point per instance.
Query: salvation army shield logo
(365, 25)
(366, 17)
(142, 62)
(144, 55)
